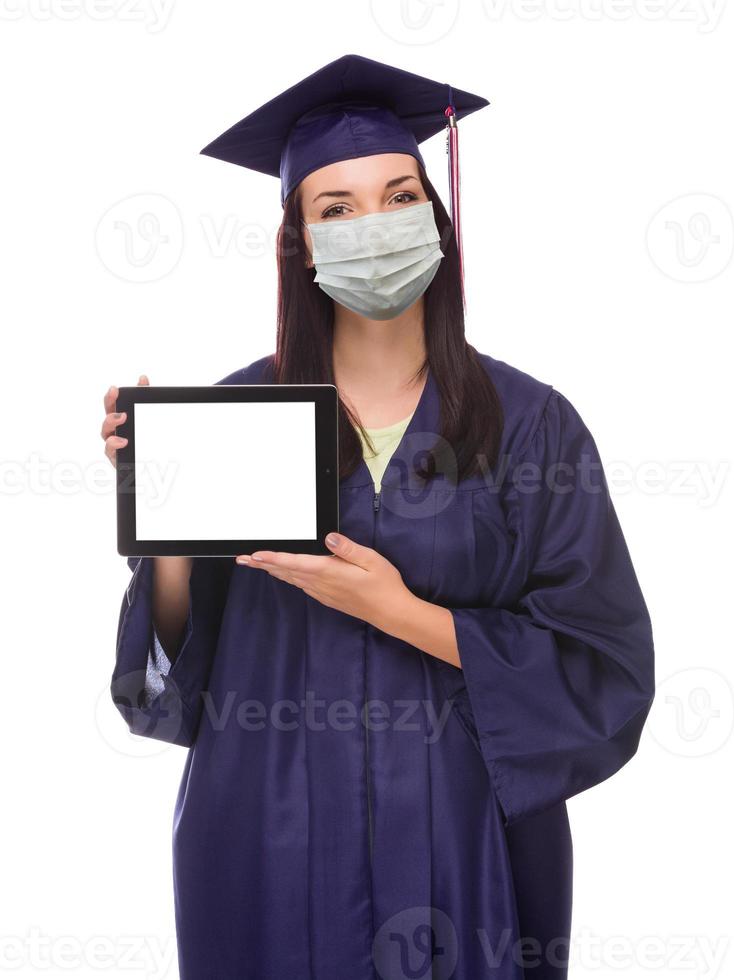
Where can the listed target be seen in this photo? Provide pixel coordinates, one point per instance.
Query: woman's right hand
(114, 418)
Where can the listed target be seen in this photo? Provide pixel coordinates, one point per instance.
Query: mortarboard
(352, 107)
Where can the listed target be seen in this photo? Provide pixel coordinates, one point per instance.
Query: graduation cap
(352, 107)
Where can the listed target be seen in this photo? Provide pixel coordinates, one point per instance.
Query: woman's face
(350, 188)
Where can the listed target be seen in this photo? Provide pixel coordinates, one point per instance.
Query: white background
(598, 191)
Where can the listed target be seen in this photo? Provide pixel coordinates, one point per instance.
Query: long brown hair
(470, 409)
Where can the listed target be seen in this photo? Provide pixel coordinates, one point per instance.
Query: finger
(355, 554)
(143, 380)
(304, 564)
(110, 399)
(279, 572)
(116, 442)
(111, 422)
(112, 444)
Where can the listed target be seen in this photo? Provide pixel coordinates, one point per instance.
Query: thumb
(349, 550)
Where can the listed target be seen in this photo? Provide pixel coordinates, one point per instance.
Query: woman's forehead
(359, 174)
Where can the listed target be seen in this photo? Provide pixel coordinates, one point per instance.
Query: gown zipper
(375, 509)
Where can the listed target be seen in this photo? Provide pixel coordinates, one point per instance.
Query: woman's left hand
(356, 580)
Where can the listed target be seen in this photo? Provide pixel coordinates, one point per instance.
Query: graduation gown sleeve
(158, 699)
(560, 682)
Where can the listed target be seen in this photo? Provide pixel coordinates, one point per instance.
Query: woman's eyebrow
(390, 184)
(398, 180)
(332, 194)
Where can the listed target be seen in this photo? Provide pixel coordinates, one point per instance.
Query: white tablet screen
(225, 471)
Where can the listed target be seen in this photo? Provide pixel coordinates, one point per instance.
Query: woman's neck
(376, 361)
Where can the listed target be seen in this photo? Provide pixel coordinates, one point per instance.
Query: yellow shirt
(385, 440)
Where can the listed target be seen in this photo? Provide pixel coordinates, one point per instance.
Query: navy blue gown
(352, 808)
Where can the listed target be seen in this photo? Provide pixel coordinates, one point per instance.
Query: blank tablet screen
(224, 470)
(227, 469)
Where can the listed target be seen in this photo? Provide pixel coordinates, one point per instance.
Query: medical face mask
(380, 263)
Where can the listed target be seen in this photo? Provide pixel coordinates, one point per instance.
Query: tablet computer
(227, 469)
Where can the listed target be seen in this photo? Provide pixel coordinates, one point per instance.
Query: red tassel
(452, 149)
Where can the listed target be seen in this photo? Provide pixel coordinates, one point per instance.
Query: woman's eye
(333, 211)
(402, 197)
(338, 210)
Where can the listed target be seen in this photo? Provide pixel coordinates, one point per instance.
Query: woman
(381, 741)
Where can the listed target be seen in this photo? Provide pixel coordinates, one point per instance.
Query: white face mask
(380, 263)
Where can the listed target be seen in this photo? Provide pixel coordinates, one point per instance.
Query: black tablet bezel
(325, 399)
